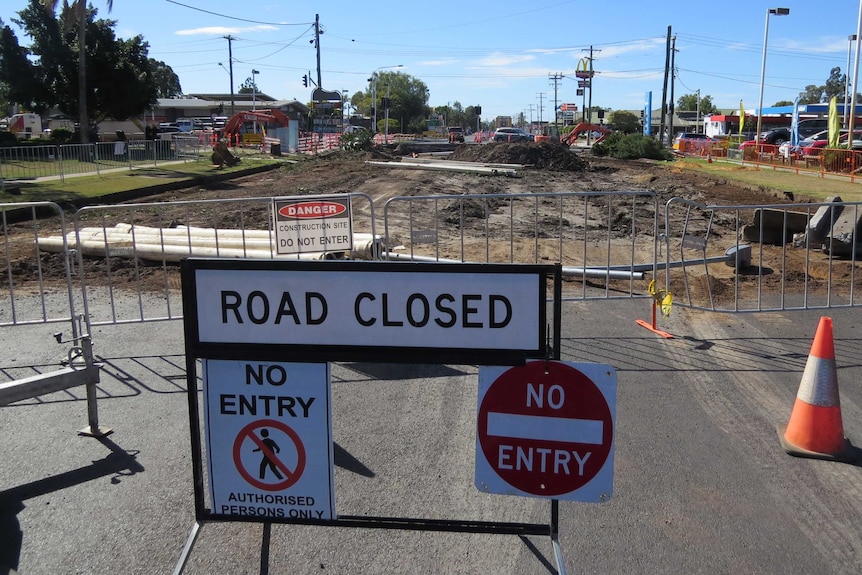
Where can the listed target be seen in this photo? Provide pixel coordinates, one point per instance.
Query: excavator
(572, 137)
(270, 117)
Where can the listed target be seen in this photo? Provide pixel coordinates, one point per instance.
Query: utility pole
(541, 95)
(317, 45)
(590, 88)
(230, 71)
(672, 78)
(556, 79)
(664, 88)
(531, 115)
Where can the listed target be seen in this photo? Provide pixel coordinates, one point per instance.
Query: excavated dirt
(548, 168)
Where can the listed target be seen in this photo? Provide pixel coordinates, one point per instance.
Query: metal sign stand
(196, 350)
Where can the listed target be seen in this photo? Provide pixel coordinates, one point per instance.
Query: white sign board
(310, 225)
(269, 439)
(383, 305)
(546, 429)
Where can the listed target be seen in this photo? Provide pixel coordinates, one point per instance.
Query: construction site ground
(548, 168)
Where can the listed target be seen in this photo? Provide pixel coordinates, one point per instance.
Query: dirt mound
(542, 155)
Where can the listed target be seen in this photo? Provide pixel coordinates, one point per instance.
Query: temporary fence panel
(605, 241)
(129, 254)
(783, 256)
(32, 162)
(33, 294)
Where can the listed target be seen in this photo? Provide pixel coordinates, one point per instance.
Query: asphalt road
(701, 484)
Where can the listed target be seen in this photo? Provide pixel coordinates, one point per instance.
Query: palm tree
(81, 7)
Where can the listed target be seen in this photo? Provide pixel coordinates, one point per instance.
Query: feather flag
(741, 117)
(794, 124)
(834, 130)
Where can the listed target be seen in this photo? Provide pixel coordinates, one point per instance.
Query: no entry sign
(546, 429)
(269, 439)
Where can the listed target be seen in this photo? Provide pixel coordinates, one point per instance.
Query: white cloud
(497, 59)
(221, 30)
(444, 62)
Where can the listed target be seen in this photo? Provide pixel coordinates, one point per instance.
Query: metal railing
(783, 257)
(605, 241)
(32, 299)
(59, 161)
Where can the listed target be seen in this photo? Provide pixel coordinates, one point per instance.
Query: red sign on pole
(546, 429)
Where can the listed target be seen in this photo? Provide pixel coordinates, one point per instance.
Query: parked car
(812, 145)
(512, 135)
(776, 136)
(456, 134)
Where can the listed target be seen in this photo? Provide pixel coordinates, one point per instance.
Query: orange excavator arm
(572, 136)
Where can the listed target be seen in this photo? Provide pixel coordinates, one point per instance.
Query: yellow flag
(741, 117)
(834, 130)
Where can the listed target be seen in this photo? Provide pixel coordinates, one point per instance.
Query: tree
(812, 94)
(408, 98)
(120, 76)
(167, 82)
(79, 9)
(689, 102)
(834, 85)
(249, 86)
(783, 103)
(625, 121)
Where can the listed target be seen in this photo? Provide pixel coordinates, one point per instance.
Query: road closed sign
(310, 225)
(269, 439)
(546, 429)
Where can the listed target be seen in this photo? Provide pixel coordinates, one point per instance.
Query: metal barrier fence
(32, 162)
(133, 250)
(605, 241)
(780, 257)
(33, 294)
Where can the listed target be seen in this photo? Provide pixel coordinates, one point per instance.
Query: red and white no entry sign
(546, 429)
(281, 462)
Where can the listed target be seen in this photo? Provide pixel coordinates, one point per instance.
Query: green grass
(123, 180)
(808, 184)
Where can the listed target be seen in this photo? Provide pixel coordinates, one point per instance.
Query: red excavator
(271, 117)
(572, 137)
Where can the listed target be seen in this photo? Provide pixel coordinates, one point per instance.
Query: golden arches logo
(582, 70)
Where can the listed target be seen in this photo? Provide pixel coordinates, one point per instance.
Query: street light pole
(777, 12)
(850, 40)
(373, 80)
(254, 73)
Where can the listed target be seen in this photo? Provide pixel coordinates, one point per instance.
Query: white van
(26, 125)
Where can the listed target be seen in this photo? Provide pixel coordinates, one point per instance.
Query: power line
(234, 17)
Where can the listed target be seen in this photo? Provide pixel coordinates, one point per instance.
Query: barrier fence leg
(187, 549)
(555, 537)
(93, 429)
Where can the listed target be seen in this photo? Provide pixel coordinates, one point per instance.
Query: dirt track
(551, 168)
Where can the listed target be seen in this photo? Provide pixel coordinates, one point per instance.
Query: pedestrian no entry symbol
(546, 429)
(269, 455)
(268, 429)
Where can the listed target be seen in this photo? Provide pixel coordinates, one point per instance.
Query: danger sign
(320, 224)
(269, 439)
(546, 429)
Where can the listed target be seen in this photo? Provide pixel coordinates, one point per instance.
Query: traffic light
(478, 110)
(305, 80)
(386, 103)
(642, 114)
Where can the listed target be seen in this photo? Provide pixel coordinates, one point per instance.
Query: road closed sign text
(371, 305)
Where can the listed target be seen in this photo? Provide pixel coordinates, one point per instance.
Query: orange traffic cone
(815, 428)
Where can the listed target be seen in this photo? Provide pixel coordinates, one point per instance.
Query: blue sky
(498, 54)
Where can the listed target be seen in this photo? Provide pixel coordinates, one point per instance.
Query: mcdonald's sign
(583, 69)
